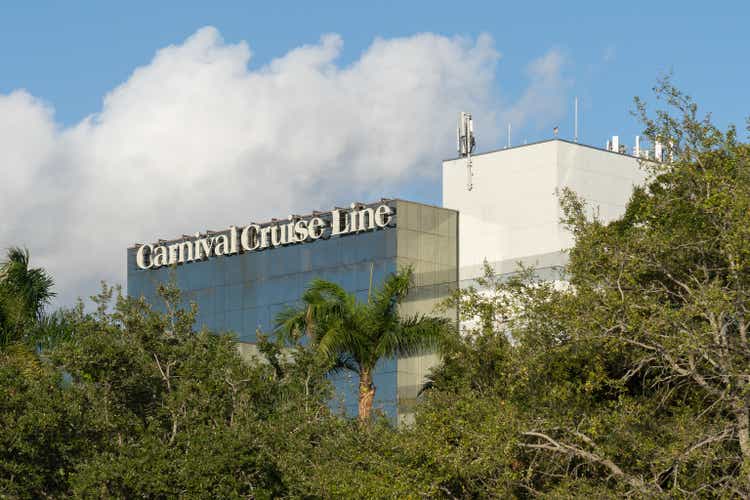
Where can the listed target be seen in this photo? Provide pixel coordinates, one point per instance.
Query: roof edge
(544, 141)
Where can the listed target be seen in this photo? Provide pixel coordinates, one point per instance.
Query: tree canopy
(350, 335)
(628, 377)
(24, 293)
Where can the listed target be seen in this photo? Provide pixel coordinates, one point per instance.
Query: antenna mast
(575, 128)
(508, 135)
(466, 144)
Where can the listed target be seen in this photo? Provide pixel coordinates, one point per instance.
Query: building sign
(255, 237)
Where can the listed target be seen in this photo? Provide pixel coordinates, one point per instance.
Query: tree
(352, 335)
(24, 293)
(633, 378)
(670, 281)
(178, 412)
(129, 401)
(629, 379)
(661, 298)
(46, 427)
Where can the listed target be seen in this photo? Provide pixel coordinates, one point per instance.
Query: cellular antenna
(466, 144)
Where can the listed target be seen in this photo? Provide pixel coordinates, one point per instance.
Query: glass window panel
(220, 323)
(246, 291)
(234, 297)
(427, 222)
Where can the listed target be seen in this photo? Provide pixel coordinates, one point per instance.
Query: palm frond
(415, 335)
(392, 293)
(351, 335)
(16, 257)
(345, 362)
(52, 329)
(336, 339)
(32, 285)
(290, 324)
(322, 290)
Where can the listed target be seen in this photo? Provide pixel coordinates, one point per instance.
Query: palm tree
(352, 335)
(24, 293)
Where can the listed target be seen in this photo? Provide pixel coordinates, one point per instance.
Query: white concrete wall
(512, 212)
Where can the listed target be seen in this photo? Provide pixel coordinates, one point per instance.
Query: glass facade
(243, 293)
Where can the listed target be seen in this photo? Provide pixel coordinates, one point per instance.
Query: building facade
(509, 212)
(242, 277)
(512, 212)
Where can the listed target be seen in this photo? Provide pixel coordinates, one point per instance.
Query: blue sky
(72, 53)
(135, 120)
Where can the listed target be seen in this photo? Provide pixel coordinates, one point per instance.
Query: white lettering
(254, 237)
(233, 249)
(249, 238)
(160, 256)
(264, 234)
(173, 253)
(221, 244)
(383, 216)
(300, 230)
(316, 227)
(337, 221)
(368, 223)
(277, 236)
(141, 255)
(289, 231)
(353, 217)
(206, 246)
(186, 252)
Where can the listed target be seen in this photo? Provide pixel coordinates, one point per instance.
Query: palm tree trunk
(366, 396)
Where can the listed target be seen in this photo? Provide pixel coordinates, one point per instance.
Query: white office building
(508, 206)
(500, 207)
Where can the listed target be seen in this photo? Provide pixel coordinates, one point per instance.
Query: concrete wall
(512, 213)
(427, 240)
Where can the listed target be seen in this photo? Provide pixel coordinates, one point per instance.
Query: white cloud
(543, 101)
(196, 140)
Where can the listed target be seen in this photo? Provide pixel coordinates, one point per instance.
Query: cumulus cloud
(543, 101)
(198, 139)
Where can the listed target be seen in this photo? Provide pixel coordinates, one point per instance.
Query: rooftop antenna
(466, 144)
(509, 128)
(575, 127)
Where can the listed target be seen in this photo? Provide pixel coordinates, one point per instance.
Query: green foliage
(181, 412)
(45, 426)
(350, 335)
(24, 292)
(136, 403)
(630, 377)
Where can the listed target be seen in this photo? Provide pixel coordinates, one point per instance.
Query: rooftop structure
(512, 213)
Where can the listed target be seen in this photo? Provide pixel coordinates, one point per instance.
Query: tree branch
(548, 443)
